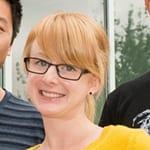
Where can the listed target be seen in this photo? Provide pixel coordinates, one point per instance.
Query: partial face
(147, 3)
(57, 97)
(5, 30)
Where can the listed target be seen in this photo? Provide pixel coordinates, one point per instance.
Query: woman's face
(57, 97)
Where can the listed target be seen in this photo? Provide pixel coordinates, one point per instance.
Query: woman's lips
(52, 94)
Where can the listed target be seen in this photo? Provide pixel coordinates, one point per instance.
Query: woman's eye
(69, 68)
(41, 63)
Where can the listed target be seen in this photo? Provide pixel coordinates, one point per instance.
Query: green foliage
(132, 49)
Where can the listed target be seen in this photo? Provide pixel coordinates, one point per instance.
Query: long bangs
(64, 39)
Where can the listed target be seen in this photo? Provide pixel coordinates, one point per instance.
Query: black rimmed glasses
(65, 71)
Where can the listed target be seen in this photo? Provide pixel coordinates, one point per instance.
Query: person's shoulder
(121, 129)
(137, 84)
(134, 137)
(141, 80)
(145, 78)
(18, 104)
(10, 96)
(125, 133)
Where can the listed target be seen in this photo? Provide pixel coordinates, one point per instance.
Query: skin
(5, 35)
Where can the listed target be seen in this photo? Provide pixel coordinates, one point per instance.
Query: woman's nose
(51, 75)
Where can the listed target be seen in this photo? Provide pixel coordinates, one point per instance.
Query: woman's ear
(147, 4)
(95, 86)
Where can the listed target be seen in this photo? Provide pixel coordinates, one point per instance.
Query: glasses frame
(26, 59)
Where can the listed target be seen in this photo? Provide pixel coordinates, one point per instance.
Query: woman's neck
(69, 134)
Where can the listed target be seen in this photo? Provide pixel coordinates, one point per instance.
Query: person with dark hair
(21, 125)
(129, 104)
(16, 13)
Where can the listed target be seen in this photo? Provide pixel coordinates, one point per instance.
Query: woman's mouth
(51, 94)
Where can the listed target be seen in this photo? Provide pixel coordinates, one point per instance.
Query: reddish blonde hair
(73, 38)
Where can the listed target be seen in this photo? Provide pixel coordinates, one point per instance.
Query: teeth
(51, 95)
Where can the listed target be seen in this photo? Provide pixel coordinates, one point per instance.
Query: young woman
(66, 58)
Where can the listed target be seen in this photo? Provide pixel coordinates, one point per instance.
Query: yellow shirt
(118, 138)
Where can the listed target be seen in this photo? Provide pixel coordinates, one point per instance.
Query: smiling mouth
(52, 95)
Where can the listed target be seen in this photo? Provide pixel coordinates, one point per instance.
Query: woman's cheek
(31, 82)
(31, 87)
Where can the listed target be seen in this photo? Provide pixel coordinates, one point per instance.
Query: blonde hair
(73, 38)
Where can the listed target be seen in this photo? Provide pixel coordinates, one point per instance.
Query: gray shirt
(21, 125)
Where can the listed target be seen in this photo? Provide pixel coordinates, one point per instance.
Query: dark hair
(16, 12)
